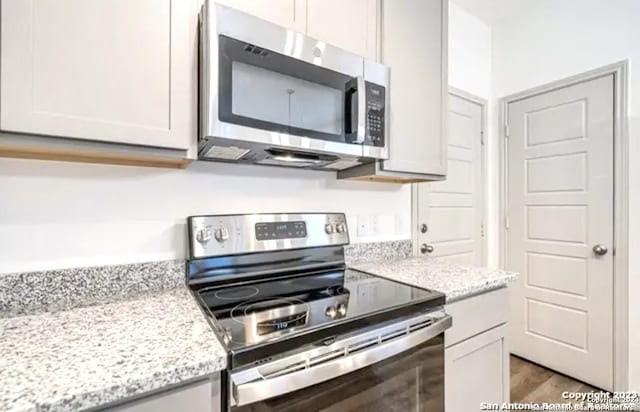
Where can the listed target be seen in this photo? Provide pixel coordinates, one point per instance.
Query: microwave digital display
(281, 230)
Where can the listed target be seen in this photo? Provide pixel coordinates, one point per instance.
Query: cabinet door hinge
(482, 230)
(506, 130)
(506, 222)
(482, 138)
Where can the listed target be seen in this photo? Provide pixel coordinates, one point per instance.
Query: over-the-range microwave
(272, 96)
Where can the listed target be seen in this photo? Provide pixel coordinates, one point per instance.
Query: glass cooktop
(308, 307)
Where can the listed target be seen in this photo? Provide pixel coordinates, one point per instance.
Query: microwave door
(273, 92)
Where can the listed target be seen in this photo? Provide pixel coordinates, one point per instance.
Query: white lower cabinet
(477, 362)
(203, 396)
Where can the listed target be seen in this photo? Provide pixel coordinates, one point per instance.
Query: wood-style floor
(533, 383)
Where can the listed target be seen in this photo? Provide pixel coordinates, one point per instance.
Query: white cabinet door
(477, 371)
(198, 397)
(287, 13)
(414, 45)
(351, 25)
(117, 71)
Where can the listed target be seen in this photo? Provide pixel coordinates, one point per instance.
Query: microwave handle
(362, 110)
(355, 101)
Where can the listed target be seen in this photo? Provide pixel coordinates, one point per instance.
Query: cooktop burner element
(271, 296)
(243, 292)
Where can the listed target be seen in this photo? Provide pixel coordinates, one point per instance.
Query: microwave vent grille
(226, 152)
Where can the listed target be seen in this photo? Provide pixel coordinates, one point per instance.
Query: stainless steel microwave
(270, 95)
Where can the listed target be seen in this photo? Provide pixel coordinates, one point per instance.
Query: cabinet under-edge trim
(79, 151)
(414, 44)
(125, 96)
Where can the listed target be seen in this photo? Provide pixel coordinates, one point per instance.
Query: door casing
(415, 227)
(619, 71)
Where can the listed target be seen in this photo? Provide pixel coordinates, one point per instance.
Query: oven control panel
(375, 96)
(220, 235)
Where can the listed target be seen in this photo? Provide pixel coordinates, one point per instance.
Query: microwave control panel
(375, 95)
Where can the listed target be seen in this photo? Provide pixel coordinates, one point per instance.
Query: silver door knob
(424, 228)
(600, 250)
(424, 248)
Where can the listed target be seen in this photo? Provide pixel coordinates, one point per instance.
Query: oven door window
(266, 90)
(410, 381)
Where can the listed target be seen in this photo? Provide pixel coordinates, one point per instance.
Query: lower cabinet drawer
(476, 314)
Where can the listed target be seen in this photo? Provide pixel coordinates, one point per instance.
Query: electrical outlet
(374, 225)
(364, 226)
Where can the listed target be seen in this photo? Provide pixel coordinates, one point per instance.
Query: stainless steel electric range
(302, 331)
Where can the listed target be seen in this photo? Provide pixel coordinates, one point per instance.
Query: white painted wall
(469, 52)
(470, 68)
(59, 215)
(556, 39)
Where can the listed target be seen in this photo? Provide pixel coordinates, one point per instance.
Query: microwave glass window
(273, 97)
(266, 90)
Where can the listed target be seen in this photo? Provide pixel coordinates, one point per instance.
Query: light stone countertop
(94, 355)
(456, 281)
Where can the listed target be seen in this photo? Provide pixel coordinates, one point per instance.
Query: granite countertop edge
(454, 296)
(455, 281)
(135, 380)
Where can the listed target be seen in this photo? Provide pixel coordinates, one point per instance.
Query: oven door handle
(295, 379)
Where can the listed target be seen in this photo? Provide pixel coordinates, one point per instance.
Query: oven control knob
(342, 310)
(330, 312)
(221, 234)
(203, 235)
(328, 228)
(341, 228)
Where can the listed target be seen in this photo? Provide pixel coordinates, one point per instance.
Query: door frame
(415, 227)
(620, 249)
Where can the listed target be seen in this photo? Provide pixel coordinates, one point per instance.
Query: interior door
(451, 212)
(560, 229)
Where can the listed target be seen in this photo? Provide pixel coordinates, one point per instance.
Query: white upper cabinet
(287, 13)
(414, 45)
(117, 71)
(351, 25)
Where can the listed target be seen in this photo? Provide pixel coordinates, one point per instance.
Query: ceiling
(493, 10)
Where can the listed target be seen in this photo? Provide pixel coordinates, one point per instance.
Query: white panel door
(351, 25)
(560, 206)
(453, 209)
(117, 71)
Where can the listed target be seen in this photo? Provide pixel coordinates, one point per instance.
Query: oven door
(398, 367)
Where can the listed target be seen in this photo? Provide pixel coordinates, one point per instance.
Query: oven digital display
(276, 325)
(281, 230)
